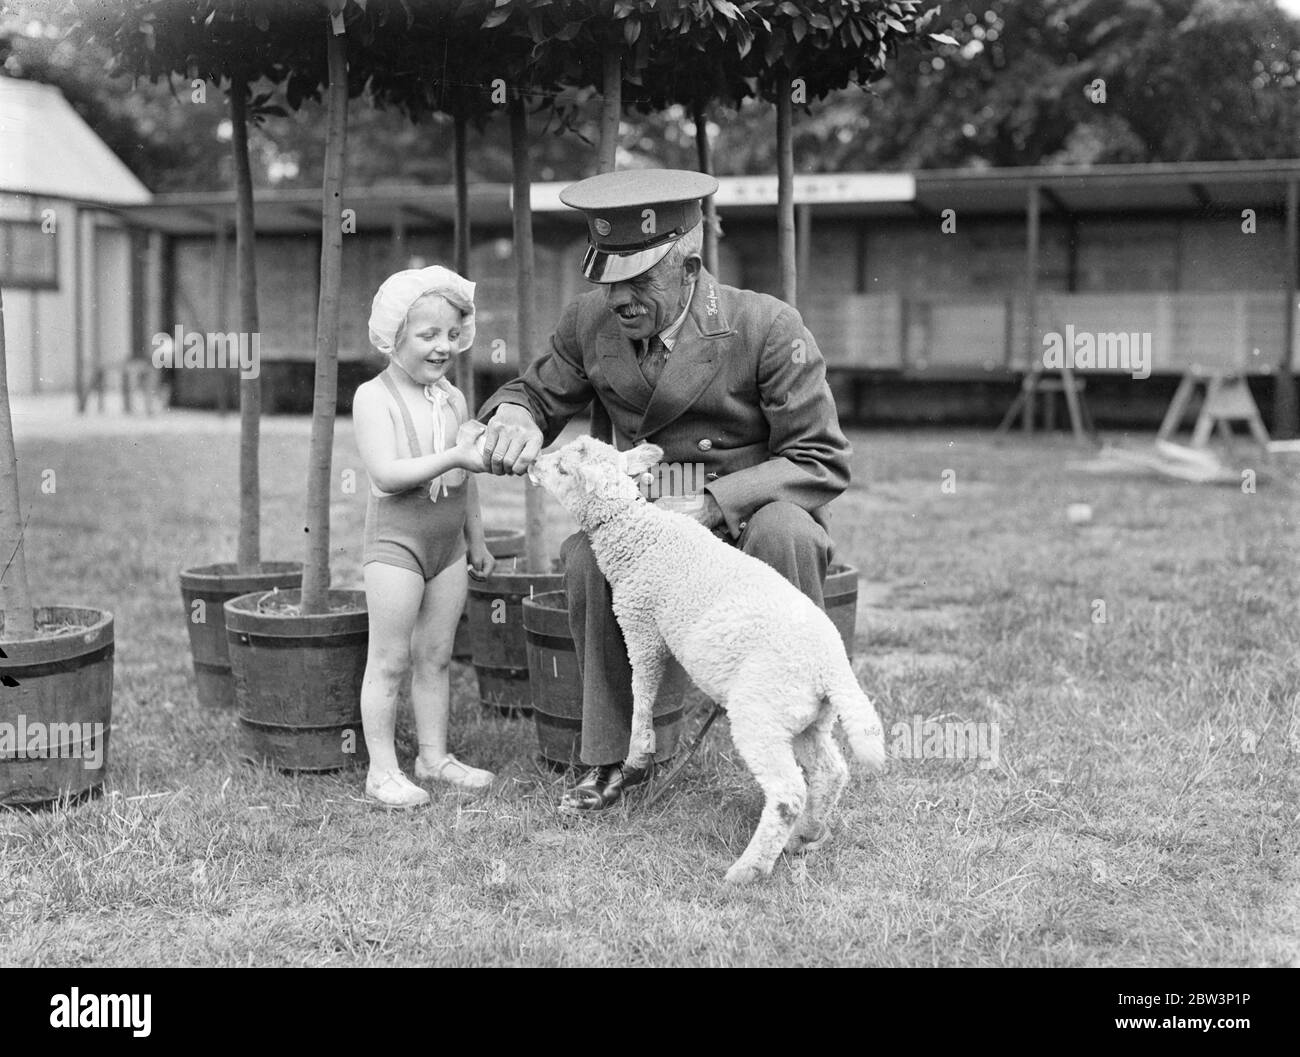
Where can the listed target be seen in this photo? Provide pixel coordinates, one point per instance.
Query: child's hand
(481, 561)
(468, 447)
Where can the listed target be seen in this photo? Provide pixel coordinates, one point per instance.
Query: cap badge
(602, 227)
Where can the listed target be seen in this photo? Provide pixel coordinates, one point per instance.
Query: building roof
(48, 151)
(1173, 187)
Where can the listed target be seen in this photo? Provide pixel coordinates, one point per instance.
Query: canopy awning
(1110, 189)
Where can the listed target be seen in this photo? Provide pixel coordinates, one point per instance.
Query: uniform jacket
(743, 396)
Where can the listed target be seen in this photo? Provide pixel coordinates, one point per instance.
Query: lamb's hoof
(802, 844)
(743, 874)
(638, 765)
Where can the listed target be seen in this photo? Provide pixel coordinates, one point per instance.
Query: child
(421, 516)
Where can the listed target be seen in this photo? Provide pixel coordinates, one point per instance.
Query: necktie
(653, 360)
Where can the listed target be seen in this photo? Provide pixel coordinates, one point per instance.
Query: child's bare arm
(390, 471)
(473, 515)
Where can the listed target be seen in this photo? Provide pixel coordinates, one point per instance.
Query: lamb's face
(586, 472)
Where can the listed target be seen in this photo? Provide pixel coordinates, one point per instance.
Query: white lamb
(746, 636)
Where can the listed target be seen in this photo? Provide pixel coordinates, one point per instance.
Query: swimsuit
(407, 529)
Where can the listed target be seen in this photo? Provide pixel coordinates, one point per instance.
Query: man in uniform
(723, 379)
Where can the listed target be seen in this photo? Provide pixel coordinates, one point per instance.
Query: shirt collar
(669, 334)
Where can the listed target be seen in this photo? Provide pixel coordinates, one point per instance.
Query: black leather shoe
(603, 786)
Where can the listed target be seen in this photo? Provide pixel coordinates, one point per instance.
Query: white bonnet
(402, 289)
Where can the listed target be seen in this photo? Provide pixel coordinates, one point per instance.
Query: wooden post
(397, 243)
(803, 239)
(785, 239)
(534, 513)
(34, 325)
(1286, 408)
(611, 107)
(316, 567)
(611, 110)
(1033, 207)
(460, 253)
(15, 597)
(704, 157)
(89, 293)
(221, 305)
(79, 311)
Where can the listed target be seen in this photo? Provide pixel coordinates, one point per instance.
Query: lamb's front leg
(649, 657)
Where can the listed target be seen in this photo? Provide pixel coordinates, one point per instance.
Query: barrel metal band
(294, 642)
(550, 719)
(68, 664)
(259, 725)
(549, 642)
(501, 672)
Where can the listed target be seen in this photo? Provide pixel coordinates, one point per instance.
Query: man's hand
(512, 441)
(710, 515)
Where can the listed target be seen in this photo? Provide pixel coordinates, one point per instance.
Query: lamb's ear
(640, 458)
(589, 476)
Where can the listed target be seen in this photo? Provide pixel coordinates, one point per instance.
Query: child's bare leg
(393, 598)
(431, 646)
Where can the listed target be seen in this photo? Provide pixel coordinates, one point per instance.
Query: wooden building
(72, 266)
(929, 293)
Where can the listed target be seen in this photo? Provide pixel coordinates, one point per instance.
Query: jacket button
(705, 444)
(744, 525)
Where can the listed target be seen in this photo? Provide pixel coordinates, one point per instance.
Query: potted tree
(441, 65)
(56, 664)
(663, 53)
(691, 55)
(237, 46)
(298, 658)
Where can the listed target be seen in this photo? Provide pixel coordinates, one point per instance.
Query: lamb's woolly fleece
(745, 635)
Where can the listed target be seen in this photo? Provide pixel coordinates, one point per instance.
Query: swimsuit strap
(412, 438)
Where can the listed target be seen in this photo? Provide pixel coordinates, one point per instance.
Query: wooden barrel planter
(503, 543)
(557, 686)
(56, 702)
(841, 595)
(298, 681)
(496, 626)
(205, 589)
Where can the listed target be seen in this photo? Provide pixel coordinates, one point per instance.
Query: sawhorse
(1227, 400)
(1036, 382)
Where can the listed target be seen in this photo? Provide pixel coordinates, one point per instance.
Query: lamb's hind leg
(827, 774)
(765, 746)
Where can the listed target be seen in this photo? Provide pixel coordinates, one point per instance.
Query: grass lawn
(1142, 810)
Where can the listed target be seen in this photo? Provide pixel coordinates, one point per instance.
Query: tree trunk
(534, 514)
(249, 550)
(316, 568)
(465, 365)
(785, 246)
(15, 596)
(704, 154)
(1286, 406)
(611, 108)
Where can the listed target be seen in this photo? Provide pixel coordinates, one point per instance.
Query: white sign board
(809, 189)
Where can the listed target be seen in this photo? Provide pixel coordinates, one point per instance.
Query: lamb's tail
(858, 717)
